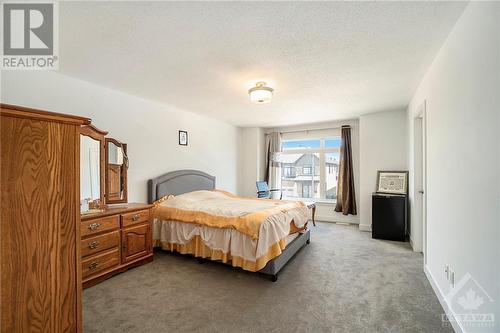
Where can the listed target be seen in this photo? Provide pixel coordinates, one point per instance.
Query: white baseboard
(365, 227)
(457, 327)
(343, 223)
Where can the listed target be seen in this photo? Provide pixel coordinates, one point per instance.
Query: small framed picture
(183, 138)
(392, 182)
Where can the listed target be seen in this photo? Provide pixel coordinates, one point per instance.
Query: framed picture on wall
(183, 138)
(392, 182)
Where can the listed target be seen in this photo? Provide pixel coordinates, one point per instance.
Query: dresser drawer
(135, 218)
(100, 262)
(92, 227)
(100, 243)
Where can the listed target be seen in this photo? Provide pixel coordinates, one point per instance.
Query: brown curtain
(346, 197)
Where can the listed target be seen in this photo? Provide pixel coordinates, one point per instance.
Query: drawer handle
(136, 217)
(93, 265)
(94, 244)
(94, 226)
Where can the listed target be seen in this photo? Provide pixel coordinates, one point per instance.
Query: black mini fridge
(389, 216)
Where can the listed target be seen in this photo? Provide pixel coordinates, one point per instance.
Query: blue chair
(263, 190)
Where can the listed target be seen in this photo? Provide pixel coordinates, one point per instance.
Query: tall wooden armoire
(40, 221)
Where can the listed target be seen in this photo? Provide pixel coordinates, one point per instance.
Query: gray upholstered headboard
(178, 182)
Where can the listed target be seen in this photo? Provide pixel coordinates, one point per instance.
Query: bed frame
(184, 181)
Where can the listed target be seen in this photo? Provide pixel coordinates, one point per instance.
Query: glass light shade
(260, 93)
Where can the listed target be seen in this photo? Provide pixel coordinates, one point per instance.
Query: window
(300, 144)
(331, 175)
(288, 171)
(306, 191)
(310, 168)
(333, 143)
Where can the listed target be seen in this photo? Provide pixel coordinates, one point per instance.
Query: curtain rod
(310, 130)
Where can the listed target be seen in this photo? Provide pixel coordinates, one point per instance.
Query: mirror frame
(124, 172)
(98, 134)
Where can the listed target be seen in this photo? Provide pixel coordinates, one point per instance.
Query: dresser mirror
(116, 171)
(92, 158)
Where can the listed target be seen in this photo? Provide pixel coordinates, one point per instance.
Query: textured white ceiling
(328, 60)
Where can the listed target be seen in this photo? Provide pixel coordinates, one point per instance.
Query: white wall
(252, 160)
(383, 146)
(150, 129)
(462, 94)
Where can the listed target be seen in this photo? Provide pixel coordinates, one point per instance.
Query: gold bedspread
(220, 209)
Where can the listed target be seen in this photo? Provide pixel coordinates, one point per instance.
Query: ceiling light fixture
(260, 94)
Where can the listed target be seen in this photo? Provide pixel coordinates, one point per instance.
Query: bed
(192, 217)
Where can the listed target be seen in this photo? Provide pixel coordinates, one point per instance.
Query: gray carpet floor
(344, 281)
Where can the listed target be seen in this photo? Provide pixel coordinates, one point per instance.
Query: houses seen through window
(309, 168)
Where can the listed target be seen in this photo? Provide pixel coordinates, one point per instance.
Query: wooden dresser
(114, 240)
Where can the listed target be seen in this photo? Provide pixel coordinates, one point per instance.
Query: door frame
(420, 161)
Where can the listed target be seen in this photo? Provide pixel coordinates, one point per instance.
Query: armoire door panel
(39, 280)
